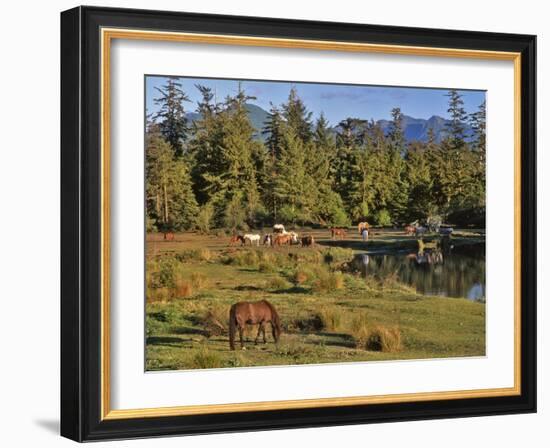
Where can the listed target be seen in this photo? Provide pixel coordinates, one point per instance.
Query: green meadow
(329, 313)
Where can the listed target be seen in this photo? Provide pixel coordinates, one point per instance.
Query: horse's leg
(263, 331)
(273, 332)
(241, 331)
(260, 328)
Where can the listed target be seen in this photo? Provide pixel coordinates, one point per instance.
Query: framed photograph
(277, 224)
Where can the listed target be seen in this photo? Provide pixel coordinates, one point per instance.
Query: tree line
(216, 172)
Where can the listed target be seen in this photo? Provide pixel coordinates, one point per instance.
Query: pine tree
(171, 117)
(272, 130)
(297, 117)
(396, 135)
(226, 163)
(323, 138)
(205, 146)
(456, 127)
(171, 203)
(478, 124)
(419, 176)
(295, 189)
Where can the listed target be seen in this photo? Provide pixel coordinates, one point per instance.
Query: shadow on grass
(247, 288)
(292, 290)
(336, 340)
(166, 340)
(189, 330)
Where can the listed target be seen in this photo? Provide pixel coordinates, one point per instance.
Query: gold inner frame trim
(107, 35)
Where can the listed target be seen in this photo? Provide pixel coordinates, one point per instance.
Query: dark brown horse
(307, 241)
(252, 313)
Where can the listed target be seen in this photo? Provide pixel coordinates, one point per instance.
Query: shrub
(184, 288)
(206, 359)
(266, 266)
(302, 275)
(215, 320)
(198, 280)
(384, 339)
(163, 272)
(330, 317)
(382, 218)
(277, 283)
(194, 255)
(243, 258)
(158, 294)
(359, 328)
(328, 281)
(205, 218)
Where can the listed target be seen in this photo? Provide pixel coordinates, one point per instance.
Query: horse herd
(279, 237)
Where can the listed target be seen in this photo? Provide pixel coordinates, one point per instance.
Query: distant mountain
(257, 117)
(414, 128)
(256, 114)
(418, 128)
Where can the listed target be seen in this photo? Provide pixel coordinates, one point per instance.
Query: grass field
(328, 313)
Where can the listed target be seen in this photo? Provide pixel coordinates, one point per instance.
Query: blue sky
(335, 100)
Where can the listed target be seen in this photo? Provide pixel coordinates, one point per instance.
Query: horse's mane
(276, 319)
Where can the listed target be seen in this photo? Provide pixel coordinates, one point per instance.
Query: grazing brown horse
(235, 239)
(307, 241)
(334, 232)
(168, 236)
(410, 230)
(252, 313)
(279, 240)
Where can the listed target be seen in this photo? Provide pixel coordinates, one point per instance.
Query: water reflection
(451, 272)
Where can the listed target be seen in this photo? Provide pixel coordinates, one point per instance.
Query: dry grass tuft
(206, 359)
(198, 280)
(276, 283)
(359, 328)
(328, 281)
(331, 317)
(215, 320)
(384, 339)
(184, 288)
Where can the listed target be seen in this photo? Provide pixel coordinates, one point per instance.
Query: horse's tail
(275, 321)
(232, 326)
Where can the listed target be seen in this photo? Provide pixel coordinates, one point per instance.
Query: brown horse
(279, 240)
(235, 239)
(252, 313)
(169, 236)
(307, 241)
(334, 232)
(410, 230)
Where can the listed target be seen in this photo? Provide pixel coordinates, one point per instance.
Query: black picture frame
(81, 224)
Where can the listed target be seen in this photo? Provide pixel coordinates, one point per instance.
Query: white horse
(293, 236)
(252, 238)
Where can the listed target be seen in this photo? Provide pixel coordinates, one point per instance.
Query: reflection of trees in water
(431, 272)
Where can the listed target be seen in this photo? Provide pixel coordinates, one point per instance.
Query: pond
(458, 273)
